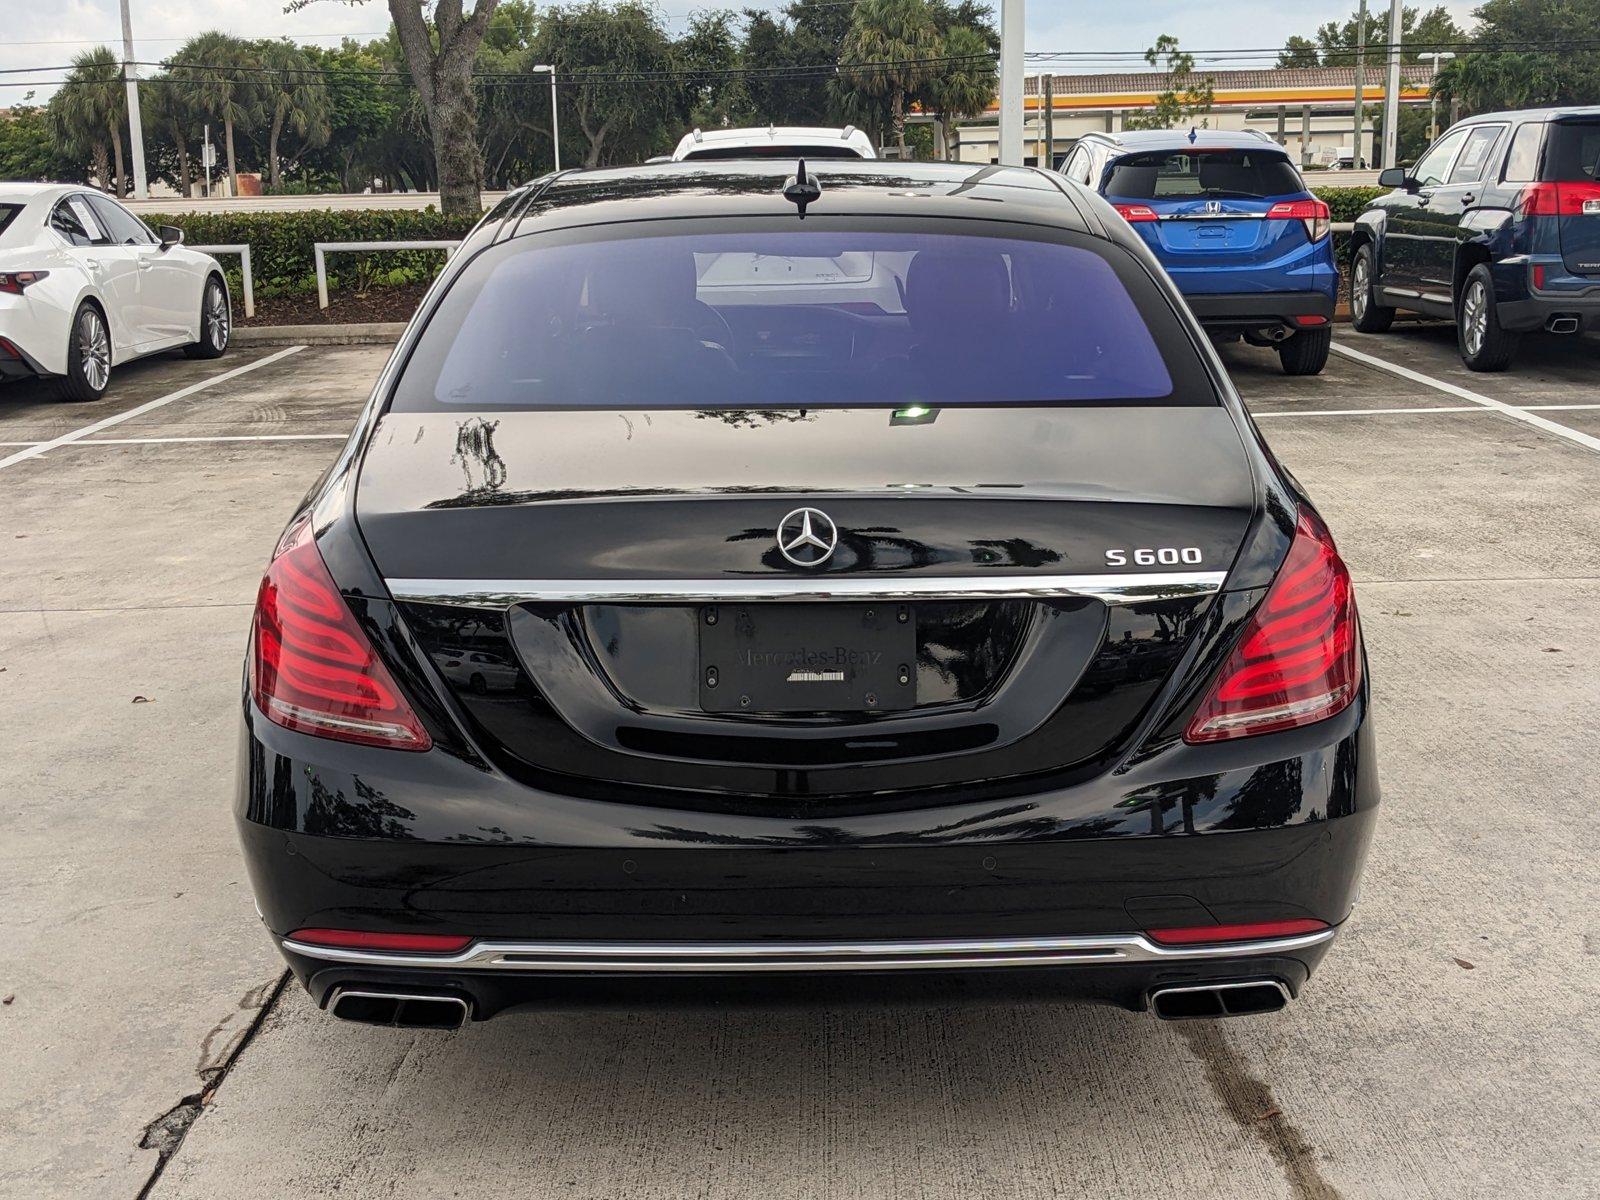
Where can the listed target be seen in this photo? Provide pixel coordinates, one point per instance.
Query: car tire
(216, 322)
(1306, 353)
(88, 356)
(1484, 345)
(1366, 314)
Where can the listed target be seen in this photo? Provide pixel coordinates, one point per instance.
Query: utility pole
(1361, 55)
(1012, 18)
(141, 188)
(1049, 163)
(1391, 90)
(555, 119)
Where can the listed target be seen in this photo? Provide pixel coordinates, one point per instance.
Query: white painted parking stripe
(244, 437)
(1388, 412)
(1461, 393)
(107, 422)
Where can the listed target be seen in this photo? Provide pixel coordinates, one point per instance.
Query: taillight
(1299, 660)
(312, 667)
(1313, 214)
(15, 281)
(1134, 213)
(1559, 199)
(1191, 935)
(360, 939)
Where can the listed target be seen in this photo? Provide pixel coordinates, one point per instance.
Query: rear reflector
(1133, 213)
(312, 667)
(1299, 659)
(1190, 935)
(1310, 319)
(1313, 214)
(359, 939)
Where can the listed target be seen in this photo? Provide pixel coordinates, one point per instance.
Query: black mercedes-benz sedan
(749, 582)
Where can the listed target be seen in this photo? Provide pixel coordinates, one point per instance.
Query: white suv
(775, 141)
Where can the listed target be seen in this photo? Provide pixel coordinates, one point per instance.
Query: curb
(372, 333)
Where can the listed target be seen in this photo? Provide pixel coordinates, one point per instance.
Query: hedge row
(280, 242)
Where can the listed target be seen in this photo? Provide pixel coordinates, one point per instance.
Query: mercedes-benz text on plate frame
(712, 605)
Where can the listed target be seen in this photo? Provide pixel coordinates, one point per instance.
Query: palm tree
(90, 110)
(888, 52)
(221, 73)
(292, 94)
(167, 108)
(965, 85)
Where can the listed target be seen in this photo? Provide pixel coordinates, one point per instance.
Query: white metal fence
(320, 250)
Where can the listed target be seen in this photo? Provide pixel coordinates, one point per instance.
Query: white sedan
(85, 286)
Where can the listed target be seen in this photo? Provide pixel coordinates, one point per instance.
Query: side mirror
(171, 236)
(1394, 177)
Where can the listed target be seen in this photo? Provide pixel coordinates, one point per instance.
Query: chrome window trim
(1110, 589)
(687, 958)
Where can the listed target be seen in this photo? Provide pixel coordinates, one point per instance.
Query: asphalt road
(1449, 1047)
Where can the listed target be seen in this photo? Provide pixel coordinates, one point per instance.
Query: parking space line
(1366, 412)
(242, 437)
(1461, 393)
(106, 422)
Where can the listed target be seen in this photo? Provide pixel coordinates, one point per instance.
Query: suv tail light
(1134, 213)
(312, 668)
(1313, 214)
(1559, 199)
(1299, 660)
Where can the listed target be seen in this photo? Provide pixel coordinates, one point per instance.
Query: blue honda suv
(1231, 220)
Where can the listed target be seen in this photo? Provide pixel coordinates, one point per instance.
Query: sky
(47, 33)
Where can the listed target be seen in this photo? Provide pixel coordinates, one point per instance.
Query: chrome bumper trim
(1111, 589)
(690, 958)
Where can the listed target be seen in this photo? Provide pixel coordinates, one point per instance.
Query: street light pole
(1361, 73)
(1391, 91)
(555, 120)
(1012, 18)
(141, 187)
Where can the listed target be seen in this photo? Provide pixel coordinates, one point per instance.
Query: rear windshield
(1241, 174)
(1572, 151)
(8, 213)
(800, 319)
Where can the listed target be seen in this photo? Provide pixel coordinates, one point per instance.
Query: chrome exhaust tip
(1208, 1001)
(403, 1010)
(1562, 323)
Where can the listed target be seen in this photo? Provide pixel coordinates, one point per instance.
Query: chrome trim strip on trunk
(1224, 216)
(502, 593)
(688, 958)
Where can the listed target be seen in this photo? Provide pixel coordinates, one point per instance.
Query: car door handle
(1422, 199)
(1468, 199)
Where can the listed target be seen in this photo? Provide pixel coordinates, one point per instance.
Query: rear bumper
(1255, 310)
(1536, 311)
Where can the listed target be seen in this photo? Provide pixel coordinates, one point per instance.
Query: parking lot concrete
(1449, 1047)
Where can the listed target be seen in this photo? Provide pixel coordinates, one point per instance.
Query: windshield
(1214, 174)
(820, 318)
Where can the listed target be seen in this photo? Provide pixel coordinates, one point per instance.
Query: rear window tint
(1246, 174)
(8, 213)
(1572, 151)
(791, 319)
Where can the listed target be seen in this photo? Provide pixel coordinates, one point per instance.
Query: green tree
(966, 83)
(1186, 97)
(1299, 52)
(611, 120)
(293, 97)
(170, 116)
(362, 106)
(890, 52)
(29, 149)
(1502, 72)
(219, 72)
(89, 113)
(1420, 33)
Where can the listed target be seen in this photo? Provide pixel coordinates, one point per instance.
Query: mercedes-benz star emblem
(807, 537)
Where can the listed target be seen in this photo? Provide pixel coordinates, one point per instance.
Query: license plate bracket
(807, 658)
